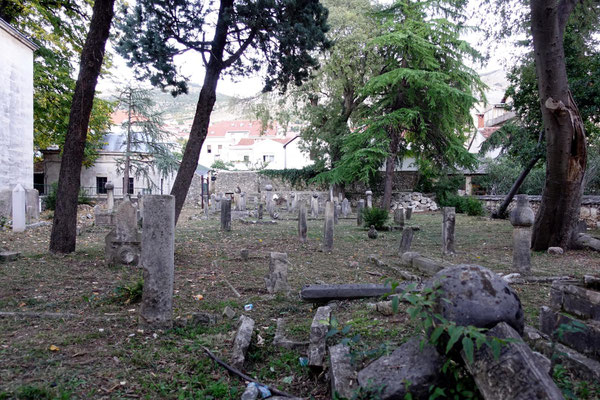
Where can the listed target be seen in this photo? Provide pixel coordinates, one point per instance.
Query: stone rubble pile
(415, 200)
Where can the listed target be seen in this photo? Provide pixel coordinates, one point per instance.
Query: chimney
(480, 121)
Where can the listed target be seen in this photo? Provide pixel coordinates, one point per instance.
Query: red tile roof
(253, 128)
(245, 142)
(487, 131)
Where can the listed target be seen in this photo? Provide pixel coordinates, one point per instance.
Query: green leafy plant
(222, 165)
(375, 216)
(463, 204)
(130, 293)
(50, 199)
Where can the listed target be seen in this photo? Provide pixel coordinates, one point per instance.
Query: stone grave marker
(406, 240)
(328, 227)
(399, 216)
(157, 261)
(123, 243)
(302, 225)
(359, 212)
(226, 215)
(19, 213)
(522, 217)
(277, 281)
(318, 336)
(345, 207)
(314, 205)
(449, 220)
(369, 195)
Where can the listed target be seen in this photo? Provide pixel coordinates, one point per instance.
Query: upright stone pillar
(408, 213)
(294, 200)
(205, 201)
(236, 200)
(288, 202)
(226, 215)
(269, 199)
(330, 193)
(243, 201)
(19, 212)
(314, 205)
(157, 260)
(399, 216)
(213, 203)
(359, 212)
(369, 198)
(328, 227)
(522, 217)
(110, 196)
(260, 210)
(336, 212)
(449, 220)
(302, 226)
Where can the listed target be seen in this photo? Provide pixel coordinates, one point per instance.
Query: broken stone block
(477, 296)
(242, 342)
(585, 340)
(407, 258)
(277, 281)
(583, 367)
(228, 312)
(318, 333)
(342, 374)
(202, 318)
(406, 364)
(575, 300)
(282, 341)
(515, 375)
(591, 282)
(7, 256)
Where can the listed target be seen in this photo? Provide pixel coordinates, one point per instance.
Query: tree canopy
(58, 28)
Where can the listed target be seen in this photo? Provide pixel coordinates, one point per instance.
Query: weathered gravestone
(409, 369)
(19, 211)
(399, 216)
(342, 373)
(449, 220)
(269, 199)
(277, 281)
(516, 375)
(328, 227)
(406, 240)
(158, 261)
(302, 225)
(369, 195)
(294, 201)
(359, 212)
(242, 341)
(226, 215)
(318, 337)
(260, 210)
(345, 207)
(243, 201)
(110, 196)
(408, 213)
(314, 205)
(336, 212)
(522, 217)
(123, 243)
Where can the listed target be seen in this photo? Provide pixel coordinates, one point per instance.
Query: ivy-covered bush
(50, 199)
(375, 216)
(463, 204)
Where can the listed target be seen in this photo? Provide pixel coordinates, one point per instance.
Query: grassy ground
(100, 353)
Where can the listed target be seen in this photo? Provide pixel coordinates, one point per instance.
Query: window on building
(246, 158)
(208, 149)
(220, 148)
(100, 182)
(268, 158)
(130, 186)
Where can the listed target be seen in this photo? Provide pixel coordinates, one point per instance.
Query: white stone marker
(19, 214)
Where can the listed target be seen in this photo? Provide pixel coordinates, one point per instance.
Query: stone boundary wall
(590, 206)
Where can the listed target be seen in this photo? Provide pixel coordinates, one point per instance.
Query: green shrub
(130, 293)
(463, 204)
(50, 199)
(375, 216)
(502, 173)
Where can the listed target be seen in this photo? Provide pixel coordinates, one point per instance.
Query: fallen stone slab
(427, 265)
(515, 375)
(585, 340)
(257, 222)
(242, 341)
(583, 367)
(202, 318)
(325, 293)
(342, 373)
(408, 363)
(7, 256)
(407, 258)
(575, 300)
(318, 334)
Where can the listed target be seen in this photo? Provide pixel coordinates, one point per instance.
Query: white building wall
(294, 157)
(16, 112)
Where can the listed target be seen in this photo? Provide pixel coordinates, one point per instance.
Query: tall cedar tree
(421, 100)
(566, 153)
(62, 239)
(277, 35)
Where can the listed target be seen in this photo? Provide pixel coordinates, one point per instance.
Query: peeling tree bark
(565, 137)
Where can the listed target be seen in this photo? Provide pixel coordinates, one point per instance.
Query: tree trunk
(127, 150)
(64, 227)
(565, 138)
(205, 105)
(390, 166)
(501, 211)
